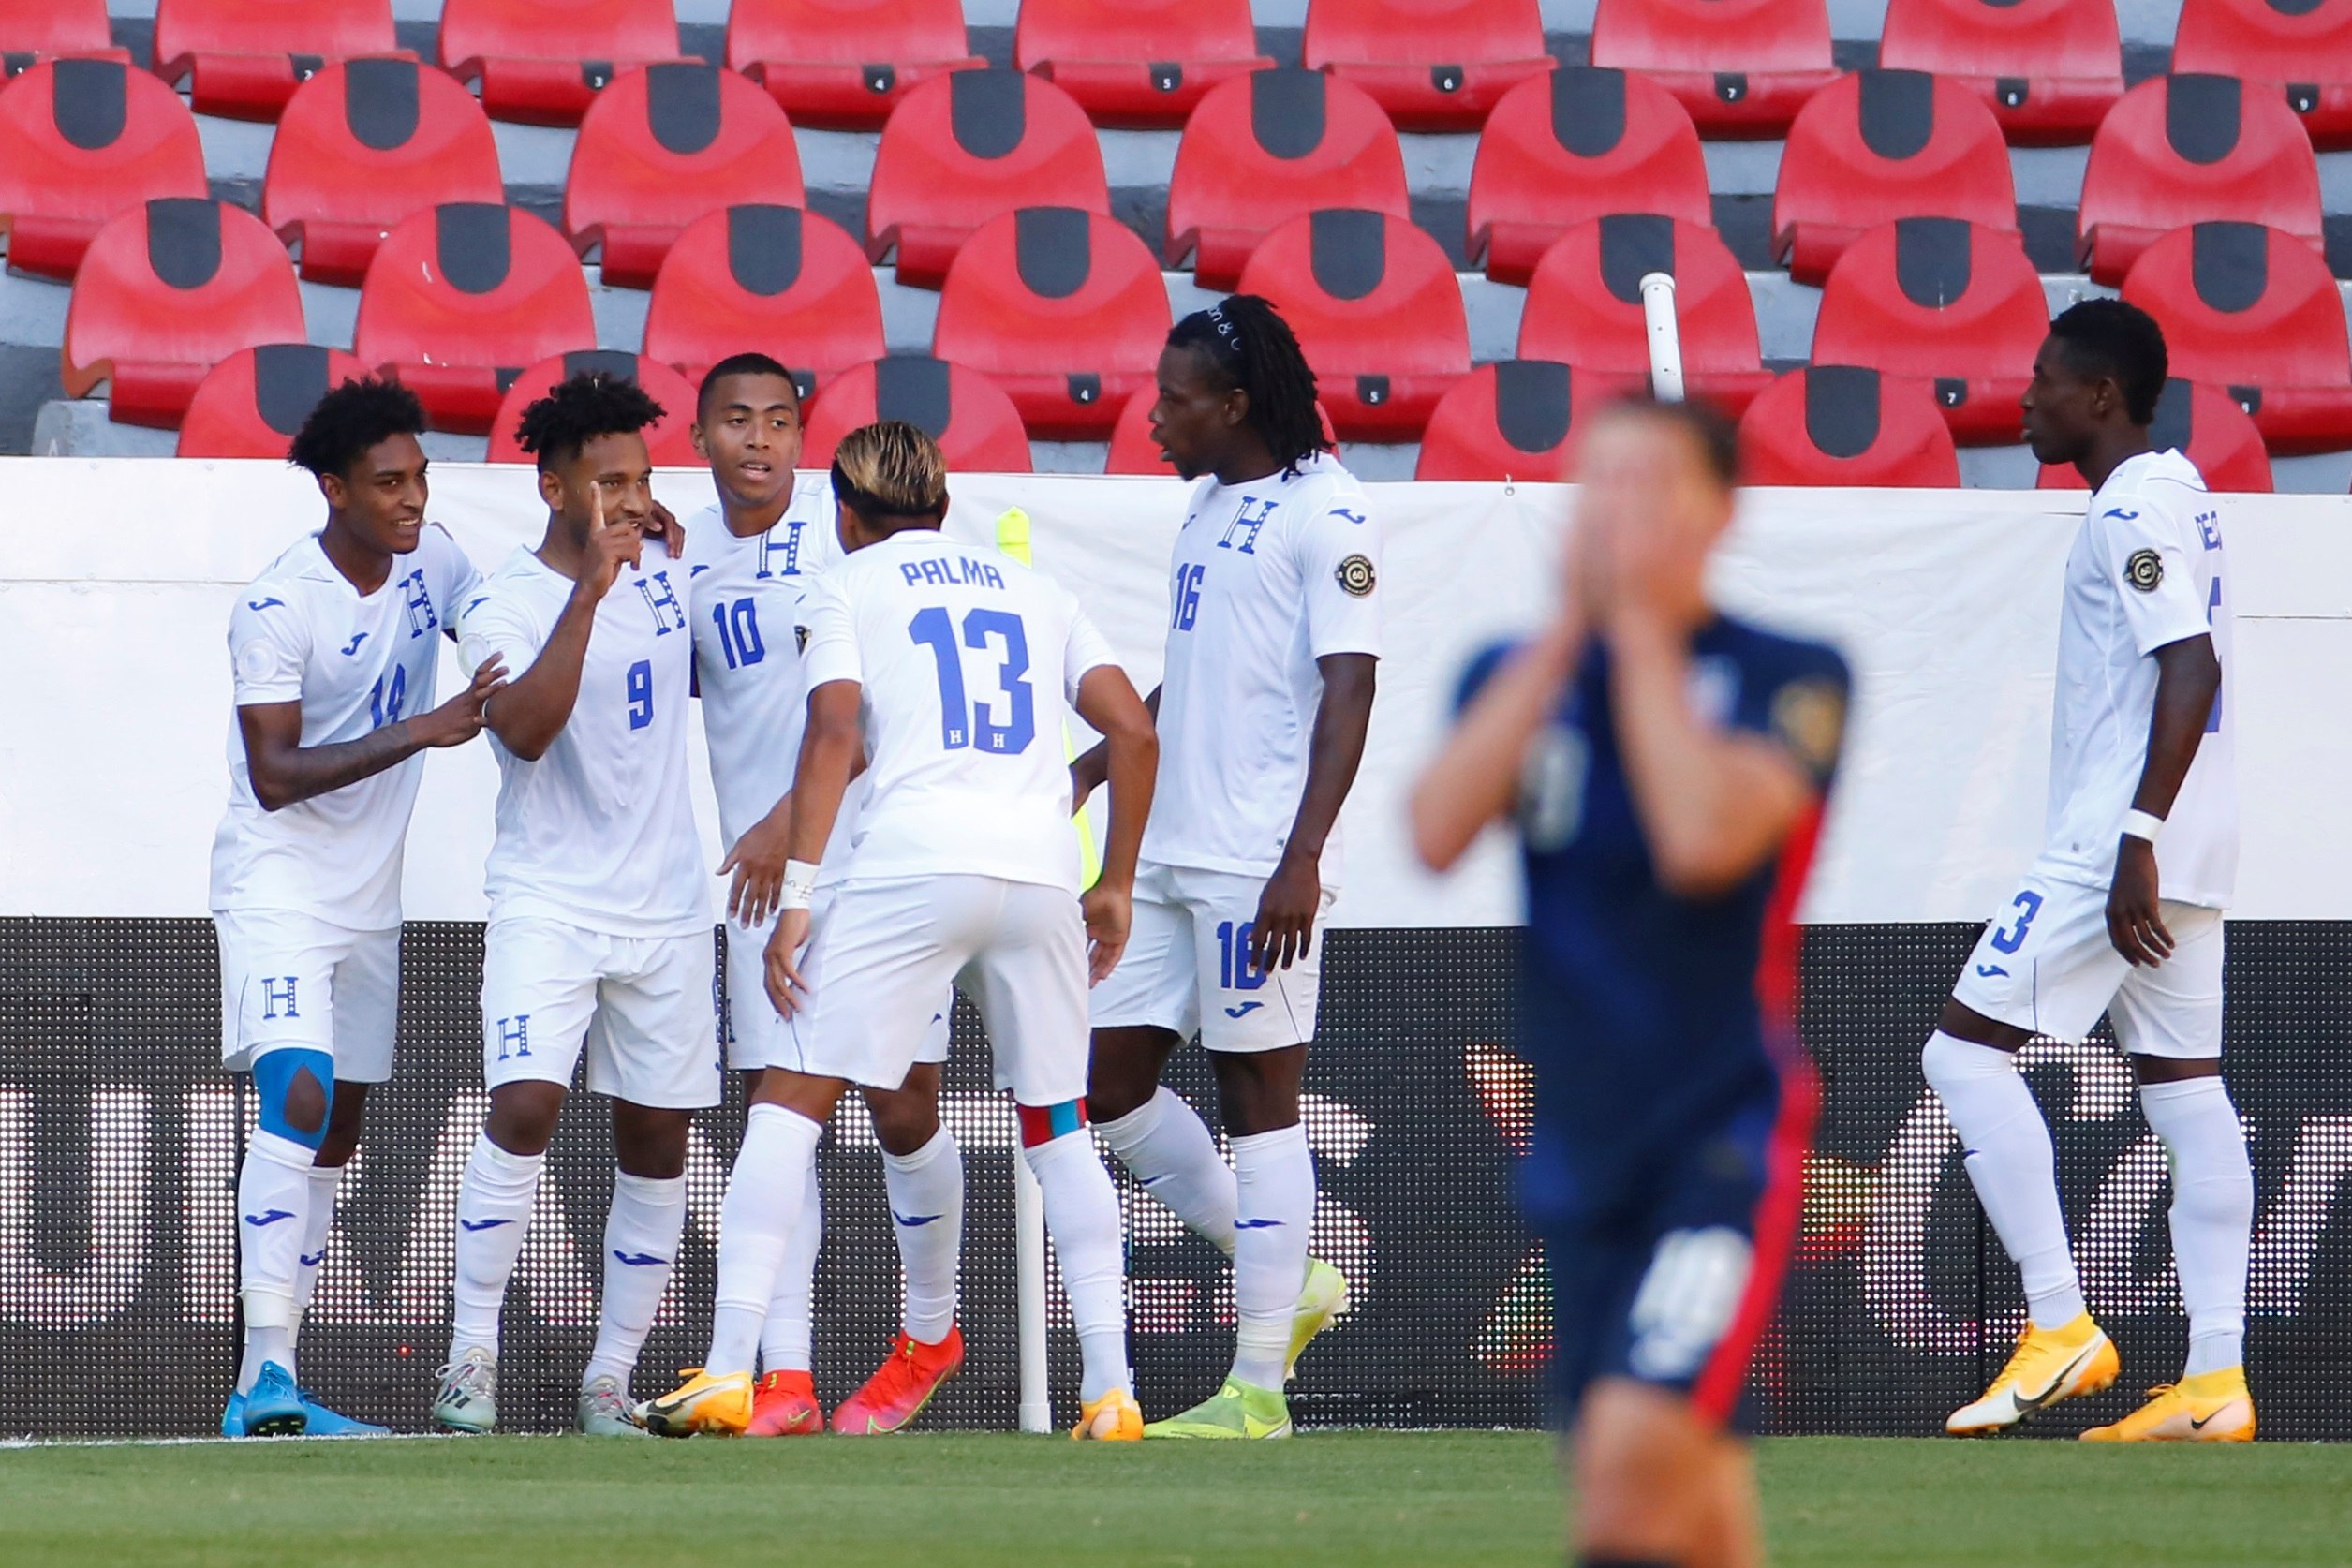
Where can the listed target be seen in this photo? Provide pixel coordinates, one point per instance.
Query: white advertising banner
(119, 576)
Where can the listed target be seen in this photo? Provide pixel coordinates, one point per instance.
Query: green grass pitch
(1335, 1498)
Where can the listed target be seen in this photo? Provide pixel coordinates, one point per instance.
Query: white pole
(1665, 338)
(1028, 1228)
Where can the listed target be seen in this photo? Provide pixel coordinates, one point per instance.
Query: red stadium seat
(1953, 304)
(1258, 154)
(1140, 64)
(1844, 425)
(543, 62)
(1434, 64)
(2254, 311)
(670, 439)
(1879, 145)
(843, 65)
(1580, 143)
(2193, 149)
(461, 297)
(243, 58)
(963, 149)
(1062, 308)
(2301, 46)
(363, 145)
(1375, 306)
(1584, 305)
(978, 428)
(2049, 70)
(255, 401)
(1512, 421)
(167, 290)
(664, 146)
(80, 141)
(1742, 67)
(1133, 450)
(33, 30)
(2208, 428)
(790, 284)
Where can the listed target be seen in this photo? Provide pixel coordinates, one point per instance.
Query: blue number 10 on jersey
(961, 724)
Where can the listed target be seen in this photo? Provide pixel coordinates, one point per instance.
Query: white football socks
(272, 1203)
(494, 1215)
(2212, 1213)
(1174, 1155)
(2012, 1166)
(317, 1224)
(766, 1194)
(787, 1334)
(1274, 1177)
(640, 1248)
(926, 1210)
(1081, 1217)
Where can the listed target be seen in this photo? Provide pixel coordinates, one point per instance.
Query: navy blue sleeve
(1796, 694)
(1481, 669)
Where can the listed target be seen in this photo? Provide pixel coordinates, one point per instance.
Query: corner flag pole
(1665, 336)
(1028, 1201)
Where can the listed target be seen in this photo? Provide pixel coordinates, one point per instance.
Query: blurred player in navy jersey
(1666, 767)
(333, 650)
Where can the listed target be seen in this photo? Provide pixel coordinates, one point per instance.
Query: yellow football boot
(2047, 1365)
(2211, 1407)
(1116, 1417)
(719, 1405)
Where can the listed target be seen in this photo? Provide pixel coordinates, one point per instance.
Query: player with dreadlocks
(600, 932)
(1273, 638)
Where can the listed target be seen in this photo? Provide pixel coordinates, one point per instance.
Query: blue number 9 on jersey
(640, 694)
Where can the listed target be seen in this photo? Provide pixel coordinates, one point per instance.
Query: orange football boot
(900, 1386)
(784, 1404)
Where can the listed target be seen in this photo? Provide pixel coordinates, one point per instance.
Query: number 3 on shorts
(2008, 939)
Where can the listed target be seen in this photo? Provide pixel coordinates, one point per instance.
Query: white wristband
(800, 886)
(2142, 824)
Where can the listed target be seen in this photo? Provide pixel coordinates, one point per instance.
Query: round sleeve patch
(1356, 576)
(255, 662)
(2144, 570)
(1810, 718)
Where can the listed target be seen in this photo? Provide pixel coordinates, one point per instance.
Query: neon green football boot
(1322, 1301)
(1238, 1410)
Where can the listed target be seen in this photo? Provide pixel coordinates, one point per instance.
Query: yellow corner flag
(1012, 538)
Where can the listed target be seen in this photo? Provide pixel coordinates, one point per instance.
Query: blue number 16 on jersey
(961, 724)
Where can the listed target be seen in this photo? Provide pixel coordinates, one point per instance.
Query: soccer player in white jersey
(956, 667)
(1273, 640)
(750, 558)
(2121, 913)
(600, 933)
(334, 651)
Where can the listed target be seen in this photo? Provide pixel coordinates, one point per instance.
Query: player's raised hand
(787, 989)
(611, 545)
(1110, 913)
(665, 528)
(1285, 926)
(758, 864)
(2134, 920)
(459, 719)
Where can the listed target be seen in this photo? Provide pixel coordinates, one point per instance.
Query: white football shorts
(1187, 965)
(289, 980)
(643, 1007)
(888, 951)
(2045, 964)
(757, 1034)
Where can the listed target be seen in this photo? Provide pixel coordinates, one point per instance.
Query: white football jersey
(599, 831)
(302, 633)
(967, 663)
(2145, 570)
(1270, 576)
(746, 610)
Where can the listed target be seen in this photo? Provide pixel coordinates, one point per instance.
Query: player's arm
(532, 710)
(1091, 769)
(2188, 678)
(284, 770)
(1714, 802)
(828, 750)
(1131, 748)
(1476, 778)
(1285, 926)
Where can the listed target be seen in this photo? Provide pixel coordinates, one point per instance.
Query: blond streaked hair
(889, 469)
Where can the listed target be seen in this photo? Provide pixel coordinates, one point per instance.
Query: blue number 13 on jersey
(962, 725)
